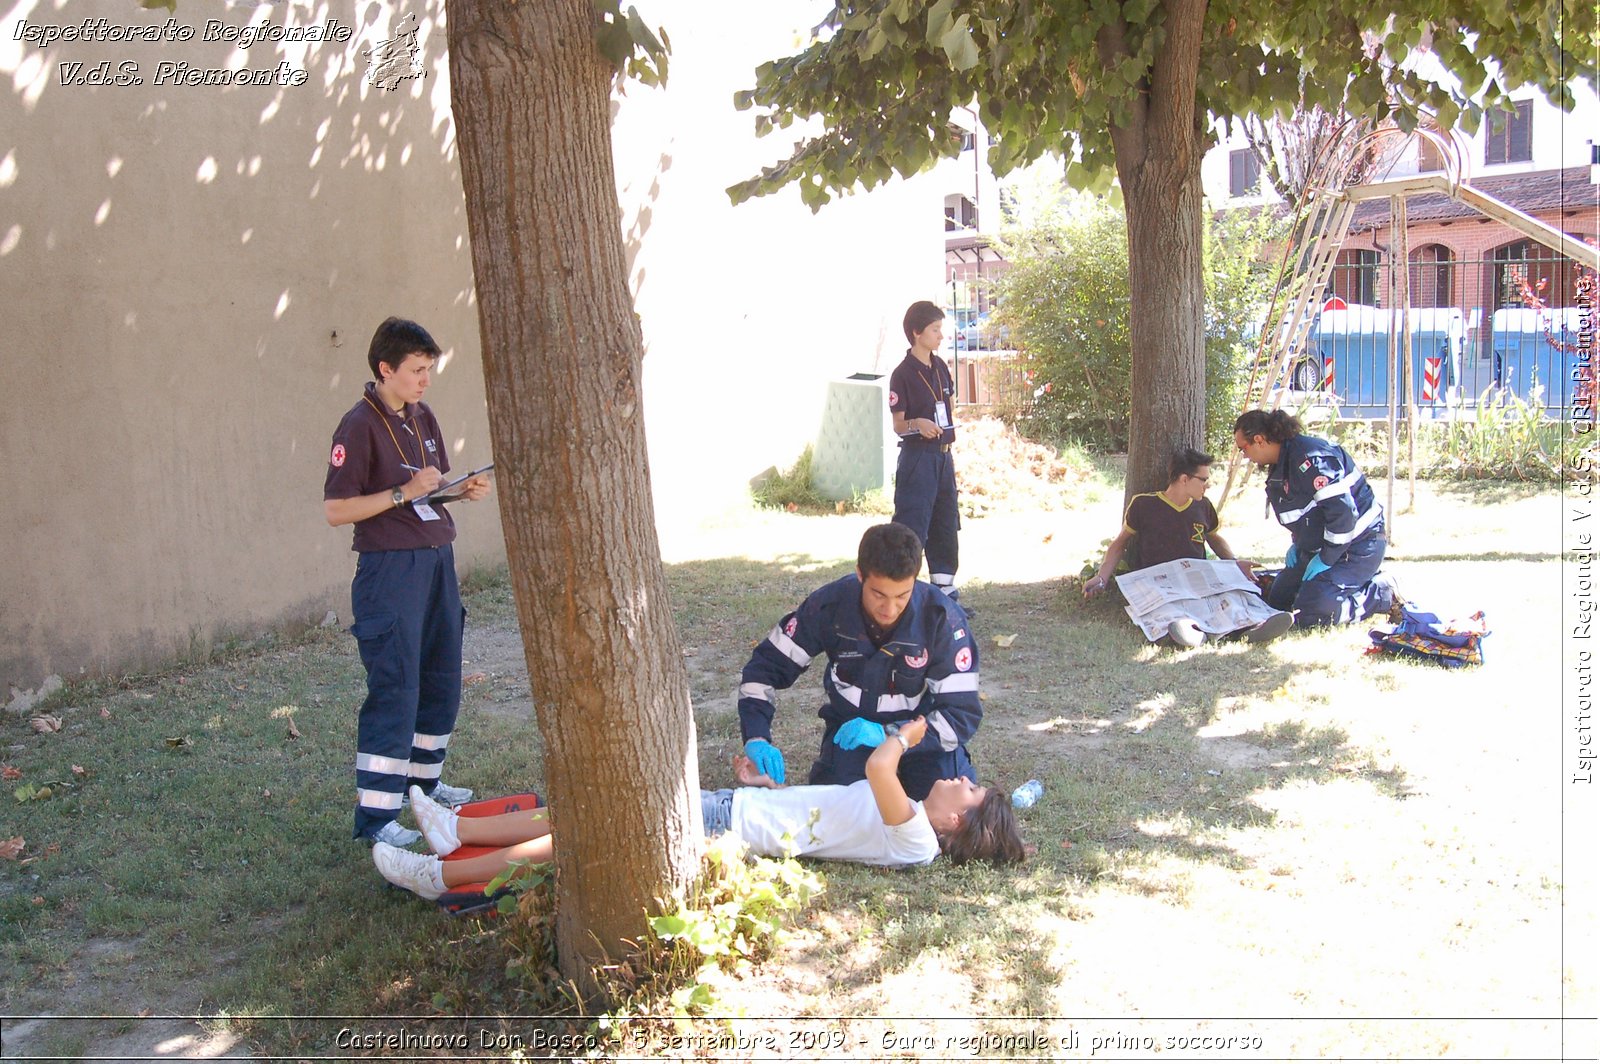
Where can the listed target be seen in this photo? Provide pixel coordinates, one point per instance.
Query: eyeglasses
(1203, 480)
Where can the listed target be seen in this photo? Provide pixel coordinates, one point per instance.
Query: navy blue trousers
(918, 771)
(925, 502)
(408, 623)
(1342, 594)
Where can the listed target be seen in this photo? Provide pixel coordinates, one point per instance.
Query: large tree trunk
(1158, 164)
(561, 350)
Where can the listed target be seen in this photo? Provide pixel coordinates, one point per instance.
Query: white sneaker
(438, 823)
(444, 794)
(393, 834)
(1185, 633)
(420, 873)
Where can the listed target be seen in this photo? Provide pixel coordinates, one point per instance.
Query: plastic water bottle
(1024, 796)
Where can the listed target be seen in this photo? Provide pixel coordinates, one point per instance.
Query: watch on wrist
(399, 496)
(904, 745)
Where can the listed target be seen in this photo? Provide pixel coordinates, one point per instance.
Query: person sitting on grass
(1173, 523)
(868, 822)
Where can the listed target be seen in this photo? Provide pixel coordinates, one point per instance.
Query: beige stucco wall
(191, 275)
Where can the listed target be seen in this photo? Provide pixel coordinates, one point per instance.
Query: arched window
(1355, 276)
(1550, 276)
(1432, 276)
(959, 213)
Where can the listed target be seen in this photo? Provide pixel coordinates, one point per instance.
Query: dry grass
(1338, 855)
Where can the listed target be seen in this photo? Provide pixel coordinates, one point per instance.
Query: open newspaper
(1213, 594)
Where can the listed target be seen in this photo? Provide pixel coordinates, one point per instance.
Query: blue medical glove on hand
(858, 732)
(1292, 559)
(768, 759)
(1313, 567)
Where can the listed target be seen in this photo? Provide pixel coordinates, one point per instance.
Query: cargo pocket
(379, 640)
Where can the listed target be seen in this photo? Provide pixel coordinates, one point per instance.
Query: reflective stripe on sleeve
(941, 728)
(1339, 487)
(759, 691)
(956, 681)
(788, 647)
(1363, 523)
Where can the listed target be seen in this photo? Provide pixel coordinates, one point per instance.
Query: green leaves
(629, 44)
(959, 46)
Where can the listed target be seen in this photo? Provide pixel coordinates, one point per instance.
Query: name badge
(941, 416)
(425, 511)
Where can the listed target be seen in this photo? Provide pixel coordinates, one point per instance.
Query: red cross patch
(1320, 483)
(964, 659)
(790, 626)
(337, 458)
(894, 398)
(917, 660)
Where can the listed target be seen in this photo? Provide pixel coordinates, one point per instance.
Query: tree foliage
(1067, 301)
(1130, 89)
(1056, 77)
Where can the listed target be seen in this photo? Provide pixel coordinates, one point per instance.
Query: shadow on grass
(234, 872)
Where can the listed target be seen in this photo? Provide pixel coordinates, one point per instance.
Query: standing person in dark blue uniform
(1318, 493)
(920, 394)
(896, 649)
(387, 453)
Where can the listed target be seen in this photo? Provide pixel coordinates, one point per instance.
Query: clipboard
(443, 492)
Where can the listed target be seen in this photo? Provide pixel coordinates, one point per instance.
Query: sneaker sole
(1271, 628)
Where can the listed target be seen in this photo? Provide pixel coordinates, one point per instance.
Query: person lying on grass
(869, 822)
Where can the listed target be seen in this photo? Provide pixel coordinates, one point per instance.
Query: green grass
(1227, 796)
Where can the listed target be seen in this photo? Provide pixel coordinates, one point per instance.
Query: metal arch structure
(1338, 182)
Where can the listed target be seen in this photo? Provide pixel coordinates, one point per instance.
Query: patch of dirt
(167, 1028)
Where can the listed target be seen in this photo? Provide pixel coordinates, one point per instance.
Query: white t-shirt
(831, 822)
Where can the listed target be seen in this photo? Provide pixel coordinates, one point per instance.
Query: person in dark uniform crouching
(1318, 493)
(388, 452)
(920, 393)
(896, 649)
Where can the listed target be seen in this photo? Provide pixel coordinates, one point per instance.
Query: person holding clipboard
(385, 472)
(921, 390)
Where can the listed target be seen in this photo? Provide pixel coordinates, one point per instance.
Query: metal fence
(1476, 330)
(1473, 335)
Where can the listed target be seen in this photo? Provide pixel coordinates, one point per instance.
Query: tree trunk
(561, 351)
(1158, 165)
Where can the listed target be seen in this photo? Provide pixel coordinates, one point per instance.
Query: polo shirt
(371, 448)
(914, 388)
(1167, 532)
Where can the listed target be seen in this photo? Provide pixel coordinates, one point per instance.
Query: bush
(1502, 437)
(1066, 302)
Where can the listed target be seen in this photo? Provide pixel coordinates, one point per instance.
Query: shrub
(1066, 302)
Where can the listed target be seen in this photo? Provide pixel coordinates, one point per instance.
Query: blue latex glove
(1313, 567)
(768, 758)
(1292, 559)
(859, 732)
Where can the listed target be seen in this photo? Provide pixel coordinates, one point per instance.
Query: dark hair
(890, 550)
(1184, 462)
(987, 833)
(395, 339)
(1278, 426)
(919, 316)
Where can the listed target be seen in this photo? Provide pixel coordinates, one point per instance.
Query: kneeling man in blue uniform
(897, 648)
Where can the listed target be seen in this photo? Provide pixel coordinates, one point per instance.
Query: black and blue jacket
(1320, 495)
(928, 666)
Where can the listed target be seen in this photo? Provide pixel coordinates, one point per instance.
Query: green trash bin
(856, 447)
